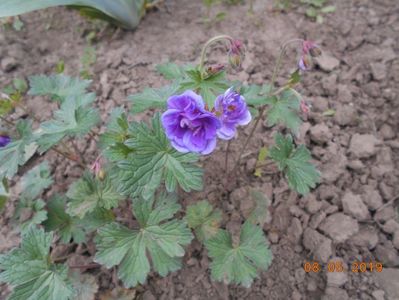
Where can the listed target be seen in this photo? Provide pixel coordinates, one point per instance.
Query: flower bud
(305, 63)
(214, 69)
(101, 174)
(4, 140)
(309, 47)
(236, 53)
(305, 107)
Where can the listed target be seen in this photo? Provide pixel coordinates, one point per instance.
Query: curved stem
(270, 93)
(206, 46)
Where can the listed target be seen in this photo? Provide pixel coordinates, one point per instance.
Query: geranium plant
(144, 166)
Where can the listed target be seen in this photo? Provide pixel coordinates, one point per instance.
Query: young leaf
(18, 152)
(89, 193)
(294, 162)
(20, 85)
(256, 95)
(74, 118)
(30, 212)
(171, 71)
(59, 87)
(260, 212)
(112, 141)
(153, 98)
(154, 161)
(73, 227)
(4, 193)
(36, 181)
(239, 264)
(203, 219)
(208, 87)
(163, 240)
(29, 270)
(263, 152)
(285, 110)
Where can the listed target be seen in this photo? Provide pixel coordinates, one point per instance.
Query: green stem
(270, 93)
(206, 46)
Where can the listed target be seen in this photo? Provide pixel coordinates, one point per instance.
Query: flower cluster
(309, 50)
(192, 128)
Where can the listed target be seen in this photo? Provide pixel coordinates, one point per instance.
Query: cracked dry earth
(352, 214)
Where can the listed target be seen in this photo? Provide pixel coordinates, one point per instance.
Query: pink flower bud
(236, 53)
(305, 107)
(309, 47)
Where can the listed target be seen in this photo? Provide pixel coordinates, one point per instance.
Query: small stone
(9, 63)
(300, 275)
(385, 214)
(378, 295)
(363, 145)
(387, 133)
(346, 115)
(317, 219)
(337, 279)
(251, 164)
(388, 280)
(317, 243)
(378, 70)
(335, 293)
(354, 206)
(312, 285)
(148, 296)
(387, 255)
(327, 62)
(339, 227)
(371, 197)
(320, 134)
(312, 205)
(273, 237)
(295, 230)
(357, 166)
(390, 226)
(366, 237)
(395, 240)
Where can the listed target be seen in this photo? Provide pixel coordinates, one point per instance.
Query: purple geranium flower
(188, 125)
(232, 110)
(4, 140)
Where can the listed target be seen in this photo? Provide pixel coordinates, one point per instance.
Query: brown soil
(357, 149)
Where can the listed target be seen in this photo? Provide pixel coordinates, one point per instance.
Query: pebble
(363, 145)
(316, 219)
(346, 115)
(327, 62)
(378, 70)
(339, 227)
(312, 205)
(378, 295)
(320, 134)
(318, 244)
(273, 237)
(385, 214)
(354, 206)
(391, 226)
(371, 197)
(295, 231)
(387, 255)
(9, 63)
(387, 132)
(366, 237)
(388, 280)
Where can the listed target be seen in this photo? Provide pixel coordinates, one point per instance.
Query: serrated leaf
(74, 118)
(239, 264)
(153, 98)
(20, 85)
(209, 87)
(28, 269)
(203, 219)
(89, 193)
(285, 110)
(18, 152)
(256, 95)
(153, 162)
(260, 211)
(30, 212)
(294, 162)
(85, 286)
(6, 106)
(163, 240)
(36, 181)
(263, 152)
(112, 141)
(59, 86)
(170, 71)
(73, 227)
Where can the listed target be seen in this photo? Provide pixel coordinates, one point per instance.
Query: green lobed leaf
(59, 86)
(28, 269)
(36, 181)
(260, 212)
(203, 219)
(256, 95)
(85, 286)
(74, 118)
(153, 162)
(294, 162)
(90, 193)
(112, 142)
(153, 98)
(18, 152)
(30, 212)
(239, 264)
(171, 71)
(163, 240)
(69, 227)
(285, 110)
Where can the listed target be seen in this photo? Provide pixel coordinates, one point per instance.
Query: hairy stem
(269, 94)
(207, 45)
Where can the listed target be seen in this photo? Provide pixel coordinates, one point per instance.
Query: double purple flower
(231, 110)
(191, 128)
(188, 125)
(4, 140)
